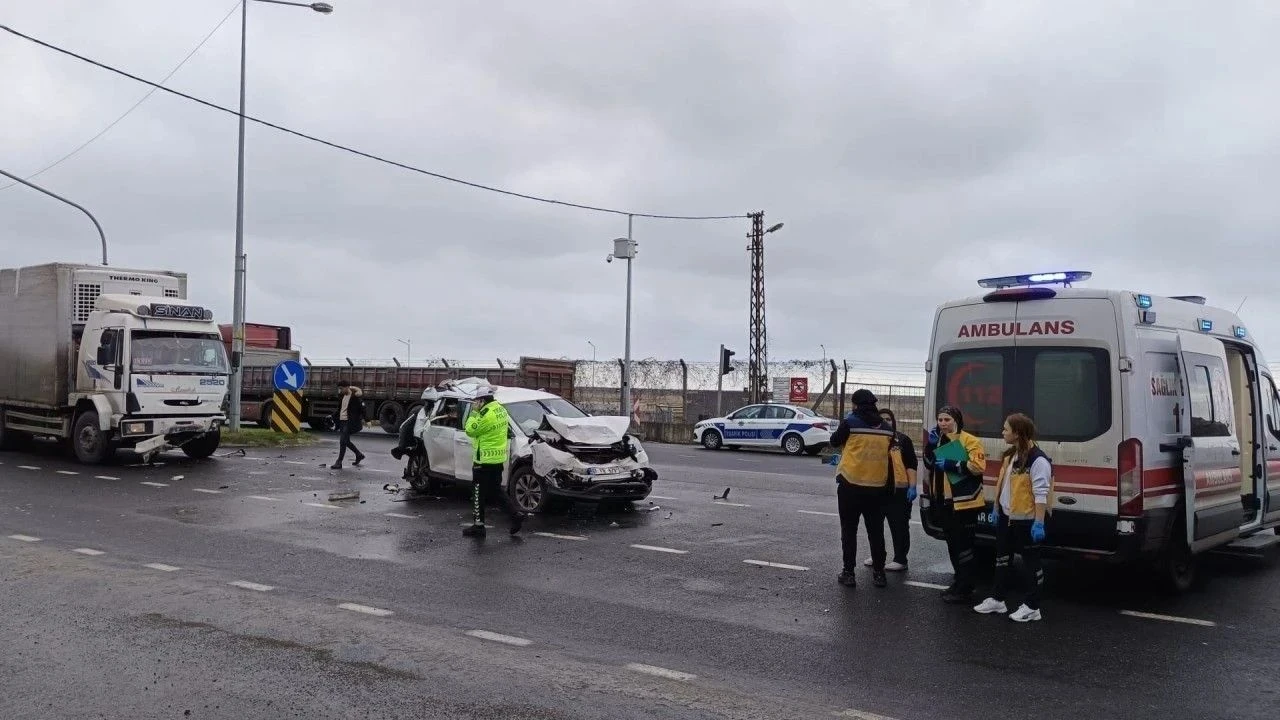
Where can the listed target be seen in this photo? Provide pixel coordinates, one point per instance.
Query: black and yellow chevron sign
(286, 411)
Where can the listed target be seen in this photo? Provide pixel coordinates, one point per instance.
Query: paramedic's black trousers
(959, 527)
(486, 486)
(1015, 536)
(897, 513)
(861, 502)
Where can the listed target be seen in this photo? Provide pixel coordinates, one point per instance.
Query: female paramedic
(956, 462)
(1022, 496)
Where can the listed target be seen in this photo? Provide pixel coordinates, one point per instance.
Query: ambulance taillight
(1129, 477)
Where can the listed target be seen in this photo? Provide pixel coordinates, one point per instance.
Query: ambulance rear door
(1208, 443)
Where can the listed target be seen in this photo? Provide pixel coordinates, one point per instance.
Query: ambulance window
(1210, 402)
(1070, 394)
(974, 381)
(1271, 406)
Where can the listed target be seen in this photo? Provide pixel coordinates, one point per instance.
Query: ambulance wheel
(91, 444)
(793, 444)
(1178, 564)
(711, 440)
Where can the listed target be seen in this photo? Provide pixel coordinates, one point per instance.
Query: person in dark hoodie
(864, 480)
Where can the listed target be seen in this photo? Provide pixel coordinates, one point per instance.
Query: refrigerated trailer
(108, 358)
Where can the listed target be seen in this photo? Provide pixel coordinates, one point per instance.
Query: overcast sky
(910, 148)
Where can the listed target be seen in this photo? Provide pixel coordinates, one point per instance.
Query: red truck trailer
(391, 393)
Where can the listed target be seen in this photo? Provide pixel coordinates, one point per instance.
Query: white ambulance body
(1160, 415)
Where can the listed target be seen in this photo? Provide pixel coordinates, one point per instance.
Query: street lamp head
(775, 228)
(608, 258)
(325, 8)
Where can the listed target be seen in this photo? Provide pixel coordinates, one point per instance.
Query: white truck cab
(109, 358)
(1159, 413)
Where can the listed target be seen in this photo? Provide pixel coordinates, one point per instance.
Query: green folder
(953, 450)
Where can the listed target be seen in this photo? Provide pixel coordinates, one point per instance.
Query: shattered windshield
(529, 414)
(161, 352)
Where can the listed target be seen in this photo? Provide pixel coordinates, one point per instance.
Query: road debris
(722, 497)
(344, 495)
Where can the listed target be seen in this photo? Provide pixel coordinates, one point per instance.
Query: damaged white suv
(557, 450)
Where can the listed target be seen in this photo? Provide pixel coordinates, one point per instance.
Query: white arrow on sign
(289, 378)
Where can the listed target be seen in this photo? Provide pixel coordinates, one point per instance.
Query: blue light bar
(1206, 325)
(1238, 331)
(1065, 277)
(1144, 301)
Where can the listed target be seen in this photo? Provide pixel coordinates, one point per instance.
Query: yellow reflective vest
(866, 459)
(1022, 499)
(966, 494)
(487, 428)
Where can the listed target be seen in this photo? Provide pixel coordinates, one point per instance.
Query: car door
(440, 437)
(776, 421)
(1210, 448)
(1271, 448)
(741, 428)
(463, 449)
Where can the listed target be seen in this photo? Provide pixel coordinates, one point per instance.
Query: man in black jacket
(350, 420)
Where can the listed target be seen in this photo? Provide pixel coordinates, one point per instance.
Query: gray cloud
(909, 148)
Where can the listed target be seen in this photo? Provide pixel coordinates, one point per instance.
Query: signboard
(289, 375)
(781, 389)
(799, 390)
(180, 312)
(286, 412)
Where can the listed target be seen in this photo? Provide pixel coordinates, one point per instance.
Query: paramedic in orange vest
(864, 481)
(1022, 498)
(957, 488)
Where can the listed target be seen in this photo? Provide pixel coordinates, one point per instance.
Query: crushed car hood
(604, 430)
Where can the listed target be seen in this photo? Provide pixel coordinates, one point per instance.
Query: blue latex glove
(1037, 531)
(911, 493)
(995, 514)
(948, 465)
(934, 436)
(833, 460)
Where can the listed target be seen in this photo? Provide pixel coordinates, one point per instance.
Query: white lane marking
(660, 672)
(209, 492)
(499, 637)
(661, 497)
(322, 505)
(295, 462)
(655, 548)
(257, 472)
(106, 477)
(162, 567)
(24, 538)
(154, 484)
(729, 504)
(400, 515)
(88, 551)
(66, 472)
(366, 609)
(251, 585)
(28, 467)
(263, 497)
(860, 715)
(377, 470)
(783, 566)
(925, 585)
(816, 512)
(1169, 618)
(561, 537)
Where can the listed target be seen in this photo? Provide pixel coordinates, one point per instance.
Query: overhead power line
(141, 100)
(361, 153)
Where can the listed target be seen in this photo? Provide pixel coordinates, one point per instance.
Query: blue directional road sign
(289, 375)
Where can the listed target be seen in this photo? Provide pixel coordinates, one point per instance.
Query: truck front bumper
(147, 428)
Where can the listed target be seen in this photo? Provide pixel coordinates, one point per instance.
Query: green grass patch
(262, 437)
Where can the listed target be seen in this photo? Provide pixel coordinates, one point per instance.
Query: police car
(794, 428)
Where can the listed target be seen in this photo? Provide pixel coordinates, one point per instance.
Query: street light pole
(625, 249)
(101, 235)
(408, 350)
(237, 312)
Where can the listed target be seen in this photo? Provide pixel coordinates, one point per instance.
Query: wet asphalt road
(233, 588)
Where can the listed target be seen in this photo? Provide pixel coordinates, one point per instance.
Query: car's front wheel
(528, 490)
(711, 440)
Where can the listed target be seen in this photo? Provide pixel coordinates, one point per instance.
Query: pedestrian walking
(350, 420)
(897, 506)
(956, 487)
(488, 426)
(864, 479)
(1022, 501)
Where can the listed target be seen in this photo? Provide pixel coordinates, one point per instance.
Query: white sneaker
(1024, 614)
(992, 605)
(868, 562)
(895, 566)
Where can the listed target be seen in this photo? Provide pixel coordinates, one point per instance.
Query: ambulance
(1160, 415)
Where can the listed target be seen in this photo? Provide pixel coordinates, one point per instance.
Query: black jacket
(355, 414)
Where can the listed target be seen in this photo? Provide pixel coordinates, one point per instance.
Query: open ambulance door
(1209, 444)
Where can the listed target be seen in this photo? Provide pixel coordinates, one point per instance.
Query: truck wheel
(528, 490)
(91, 444)
(390, 415)
(203, 446)
(321, 424)
(264, 417)
(9, 439)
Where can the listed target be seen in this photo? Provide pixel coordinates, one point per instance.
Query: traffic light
(725, 354)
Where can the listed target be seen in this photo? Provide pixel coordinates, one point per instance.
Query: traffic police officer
(488, 426)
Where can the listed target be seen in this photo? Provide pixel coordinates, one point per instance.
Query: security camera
(608, 258)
